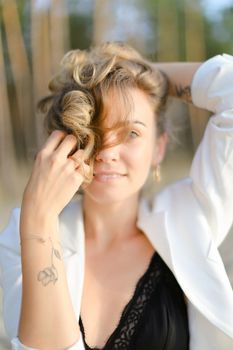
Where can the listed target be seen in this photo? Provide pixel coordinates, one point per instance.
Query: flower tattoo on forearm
(50, 273)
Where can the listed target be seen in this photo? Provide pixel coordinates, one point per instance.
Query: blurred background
(34, 35)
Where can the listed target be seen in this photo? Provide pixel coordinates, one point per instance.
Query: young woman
(111, 270)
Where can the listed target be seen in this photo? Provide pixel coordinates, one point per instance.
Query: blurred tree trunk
(59, 31)
(8, 163)
(21, 110)
(41, 63)
(168, 43)
(194, 32)
(195, 51)
(50, 40)
(102, 20)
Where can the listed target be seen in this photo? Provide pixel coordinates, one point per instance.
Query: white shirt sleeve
(212, 166)
(212, 86)
(17, 345)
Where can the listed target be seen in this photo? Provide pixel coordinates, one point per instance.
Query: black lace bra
(155, 318)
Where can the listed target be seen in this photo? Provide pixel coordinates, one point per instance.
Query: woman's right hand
(55, 177)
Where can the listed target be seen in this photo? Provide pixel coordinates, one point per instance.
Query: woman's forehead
(133, 106)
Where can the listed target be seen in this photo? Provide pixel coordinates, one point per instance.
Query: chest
(109, 284)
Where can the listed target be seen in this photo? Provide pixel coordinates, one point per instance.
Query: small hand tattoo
(183, 92)
(50, 274)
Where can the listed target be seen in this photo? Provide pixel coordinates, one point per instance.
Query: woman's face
(120, 171)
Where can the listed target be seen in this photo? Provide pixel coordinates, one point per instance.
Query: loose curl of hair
(79, 91)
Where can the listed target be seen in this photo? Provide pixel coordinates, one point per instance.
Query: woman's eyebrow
(139, 122)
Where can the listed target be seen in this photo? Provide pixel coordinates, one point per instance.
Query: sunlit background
(34, 35)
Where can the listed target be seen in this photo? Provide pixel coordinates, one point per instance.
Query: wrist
(37, 209)
(35, 223)
(42, 239)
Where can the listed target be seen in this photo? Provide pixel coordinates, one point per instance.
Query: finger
(76, 158)
(87, 170)
(67, 146)
(78, 155)
(79, 162)
(75, 162)
(54, 139)
(84, 169)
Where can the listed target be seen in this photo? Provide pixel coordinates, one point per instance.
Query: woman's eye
(133, 134)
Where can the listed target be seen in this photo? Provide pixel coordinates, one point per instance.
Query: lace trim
(133, 311)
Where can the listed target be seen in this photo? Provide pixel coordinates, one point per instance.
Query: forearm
(180, 76)
(46, 304)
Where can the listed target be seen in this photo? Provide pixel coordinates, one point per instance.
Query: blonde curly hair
(80, 89)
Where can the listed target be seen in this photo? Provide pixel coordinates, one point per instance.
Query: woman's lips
(107, 176)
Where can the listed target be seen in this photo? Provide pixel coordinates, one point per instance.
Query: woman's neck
(107, 224)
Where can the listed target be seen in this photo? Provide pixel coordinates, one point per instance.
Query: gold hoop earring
(157, 173)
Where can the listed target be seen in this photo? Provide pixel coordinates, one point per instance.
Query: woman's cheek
(141, 159)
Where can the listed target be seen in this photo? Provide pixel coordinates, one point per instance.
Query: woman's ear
(160, 149)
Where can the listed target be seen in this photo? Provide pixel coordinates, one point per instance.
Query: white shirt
(185, 223)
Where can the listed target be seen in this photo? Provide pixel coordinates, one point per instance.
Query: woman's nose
(108, 155)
